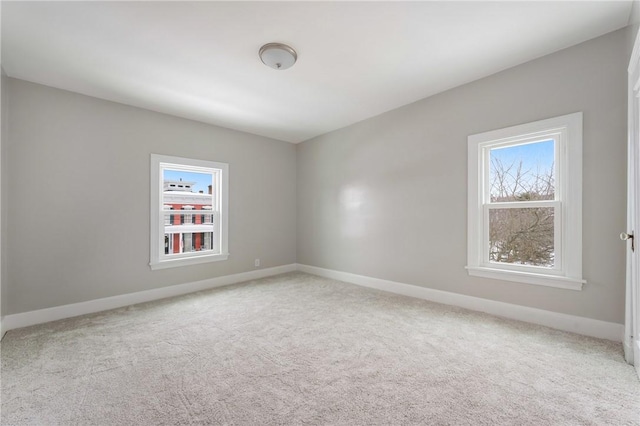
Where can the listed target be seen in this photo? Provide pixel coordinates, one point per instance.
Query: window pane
(522, 172)
(189, 242)
(186, 231)
(522, 236)
(180, 182)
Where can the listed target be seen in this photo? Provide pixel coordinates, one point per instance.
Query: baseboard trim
(574, 324)
(40, 316)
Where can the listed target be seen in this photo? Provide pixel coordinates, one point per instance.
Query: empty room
(325, 213)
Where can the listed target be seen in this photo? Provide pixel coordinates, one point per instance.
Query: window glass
(522, 172)
(522, 236)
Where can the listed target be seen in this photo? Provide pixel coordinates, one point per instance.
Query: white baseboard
(575, 324)
(40, 316)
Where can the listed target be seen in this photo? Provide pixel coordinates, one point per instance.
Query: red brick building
(190, 228)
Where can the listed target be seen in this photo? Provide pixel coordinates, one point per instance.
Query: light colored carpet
(299, 349)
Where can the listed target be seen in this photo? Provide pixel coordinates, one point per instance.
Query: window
(525, 203)
(180, 187)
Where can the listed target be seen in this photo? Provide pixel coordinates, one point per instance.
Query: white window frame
(158, 259)
(566, 131)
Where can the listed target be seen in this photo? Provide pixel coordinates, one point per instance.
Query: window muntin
(525, 200)
(182, 190)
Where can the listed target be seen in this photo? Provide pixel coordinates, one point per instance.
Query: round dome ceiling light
(278, 56)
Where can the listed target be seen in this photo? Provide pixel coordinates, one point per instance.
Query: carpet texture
(299, 349)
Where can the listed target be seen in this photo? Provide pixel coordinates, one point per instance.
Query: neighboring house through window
(525, 203)
(181, 189)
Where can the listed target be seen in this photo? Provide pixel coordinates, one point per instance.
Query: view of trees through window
(521, 223)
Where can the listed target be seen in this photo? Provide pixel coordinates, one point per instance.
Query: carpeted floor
(298, 349)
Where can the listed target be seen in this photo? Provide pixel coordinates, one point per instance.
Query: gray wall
(77, 183)
(384, 198)
(634, 16)
(387, 197)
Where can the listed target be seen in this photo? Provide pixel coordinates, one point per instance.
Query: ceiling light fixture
(278, 56)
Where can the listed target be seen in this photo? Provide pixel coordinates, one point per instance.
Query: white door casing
(631, 339)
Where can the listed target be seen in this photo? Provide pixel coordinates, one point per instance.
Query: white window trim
(567, 131)
(157, 258)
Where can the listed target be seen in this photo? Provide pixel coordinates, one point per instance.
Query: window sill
(185, 261)
(527, 277)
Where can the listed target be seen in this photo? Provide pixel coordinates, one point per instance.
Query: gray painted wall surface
(78, 191)
(634, 16)
(387, 197)
(384, 198)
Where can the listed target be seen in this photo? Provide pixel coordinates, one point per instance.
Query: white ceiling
(199, 60)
